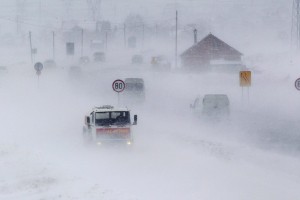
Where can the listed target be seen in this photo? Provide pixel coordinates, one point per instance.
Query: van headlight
(99, 143)
(128, 142)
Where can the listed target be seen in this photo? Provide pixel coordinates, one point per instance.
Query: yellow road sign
(245, 78)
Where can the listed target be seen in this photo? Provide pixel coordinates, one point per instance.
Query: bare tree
(95, 7)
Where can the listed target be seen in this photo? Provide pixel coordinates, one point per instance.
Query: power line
(18, 21)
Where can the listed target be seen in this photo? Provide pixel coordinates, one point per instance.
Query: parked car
(99, 57)
(160, 63)
(84, 60)
(137, 59)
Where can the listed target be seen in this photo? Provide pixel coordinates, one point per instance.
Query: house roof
(210, 45)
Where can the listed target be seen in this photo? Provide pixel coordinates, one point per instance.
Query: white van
(215, 104)
(212, 105)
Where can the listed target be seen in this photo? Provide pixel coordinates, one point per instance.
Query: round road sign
(38, 66)
(297, 84)
(118, 85)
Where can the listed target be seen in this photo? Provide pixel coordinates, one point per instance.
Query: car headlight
(128, 143)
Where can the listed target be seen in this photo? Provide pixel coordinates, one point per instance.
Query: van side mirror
(192, 106)
(87, 120)
(135, 120)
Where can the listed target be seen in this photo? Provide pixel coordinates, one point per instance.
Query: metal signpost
(297, 84)
(38, 68)
(245, 81)
(118, 86)
(33, 52)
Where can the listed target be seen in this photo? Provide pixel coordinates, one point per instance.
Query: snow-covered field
(254, 155)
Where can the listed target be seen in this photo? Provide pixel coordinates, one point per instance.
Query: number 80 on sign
(118, 85)
(297, 84)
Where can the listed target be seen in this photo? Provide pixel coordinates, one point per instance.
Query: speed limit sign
(118, 85)
(297, 84)
(38, 66)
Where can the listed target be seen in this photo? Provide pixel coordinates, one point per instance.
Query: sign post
(34, 52)
(245, 81)
(118, 86)
(38, 68)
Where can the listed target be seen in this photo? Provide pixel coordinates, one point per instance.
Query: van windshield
(215, 101)
(119, 118)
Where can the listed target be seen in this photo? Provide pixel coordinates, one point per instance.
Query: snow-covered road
(255, 155)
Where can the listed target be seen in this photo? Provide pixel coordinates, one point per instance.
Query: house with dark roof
(211, 53)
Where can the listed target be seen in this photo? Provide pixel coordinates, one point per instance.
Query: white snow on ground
(176, 155)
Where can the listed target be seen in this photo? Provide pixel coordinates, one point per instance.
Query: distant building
(212, 54)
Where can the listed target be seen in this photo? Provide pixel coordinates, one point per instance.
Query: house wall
(203, 63)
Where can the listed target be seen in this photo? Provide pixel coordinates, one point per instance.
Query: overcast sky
(242, 23)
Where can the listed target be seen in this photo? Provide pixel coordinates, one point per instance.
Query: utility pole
(81, 42)
(195, 36)
(125, 35)
(20, 9)
(40, 11)
(53, 45)
(295, 31)
(176, 39)
(143, 34)
(106, 40)
(18, 25)
(30, 46)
